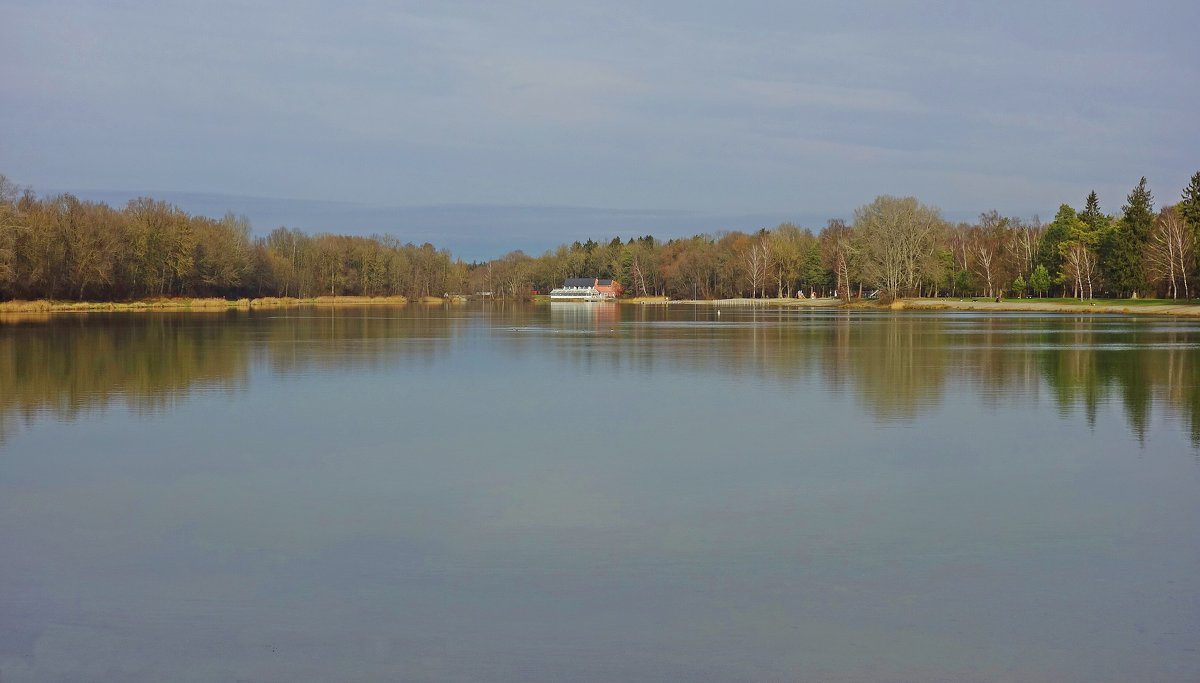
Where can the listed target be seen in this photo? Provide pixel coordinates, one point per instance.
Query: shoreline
(205, 305)
(764, 301)
(9, 309)
(1147, 307)
(1035, 306)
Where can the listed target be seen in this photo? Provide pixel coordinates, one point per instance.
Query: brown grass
(766, 301)
(1034, 305)
(360, 300)
(189, 304)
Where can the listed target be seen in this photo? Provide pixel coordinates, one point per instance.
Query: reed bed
(9, 308)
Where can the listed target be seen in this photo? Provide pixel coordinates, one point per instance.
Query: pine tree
(1139, 212)
(1189, 204)
(1122, 247)
(1189, 207)
(1097, 223)
(1091, 211)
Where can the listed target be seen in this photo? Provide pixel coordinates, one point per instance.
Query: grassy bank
(1106, 302)
(765, 301)
(198, 305)
(1119, 306)
(1111, 306)
(11, 310)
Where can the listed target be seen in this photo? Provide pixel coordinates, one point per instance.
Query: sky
(716, 110)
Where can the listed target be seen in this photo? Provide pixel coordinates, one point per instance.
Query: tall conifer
(1122, 247)
(1139, 212)
(1091, 213)
(1189, 203)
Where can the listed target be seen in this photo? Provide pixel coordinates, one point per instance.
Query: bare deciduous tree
(1170, 252)
(1023, 244)
(896, 236)
(757, 260)
(1079, 267)
(837, 254)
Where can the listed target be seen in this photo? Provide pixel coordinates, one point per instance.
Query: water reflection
(70, 365)
(633, 493)
(597, 316)
(296, 342)
(896, 367)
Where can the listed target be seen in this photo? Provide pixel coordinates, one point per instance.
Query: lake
(585, 492)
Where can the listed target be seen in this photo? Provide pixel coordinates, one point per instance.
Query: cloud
(562, 91)
(611, 104)
(790, 94)
(1043, 122)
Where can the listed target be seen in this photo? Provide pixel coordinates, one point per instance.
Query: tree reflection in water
(897, 366)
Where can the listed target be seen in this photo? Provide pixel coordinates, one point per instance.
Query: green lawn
(1108, 302)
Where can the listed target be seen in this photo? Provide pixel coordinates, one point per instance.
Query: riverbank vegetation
(193, 304)
(63, 248)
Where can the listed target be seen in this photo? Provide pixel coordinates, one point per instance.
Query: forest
(63, 248)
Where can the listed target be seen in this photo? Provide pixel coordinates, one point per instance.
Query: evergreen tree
(1122, 247)
(1189, 204)
(1019, 286)
(1059, 231)
(1039, 281)
(1120, 261)
(1097, 223)
(963, 282)
(1139, 212)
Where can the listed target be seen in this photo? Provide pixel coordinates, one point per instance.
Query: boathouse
(587, 289)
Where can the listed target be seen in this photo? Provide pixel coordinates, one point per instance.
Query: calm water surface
(593, 493)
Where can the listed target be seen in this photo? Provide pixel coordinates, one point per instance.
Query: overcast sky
(745, 107)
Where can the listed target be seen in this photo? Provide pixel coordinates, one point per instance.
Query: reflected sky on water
(595, 493)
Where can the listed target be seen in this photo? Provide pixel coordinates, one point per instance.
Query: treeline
(61, 247)
(898, 247)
